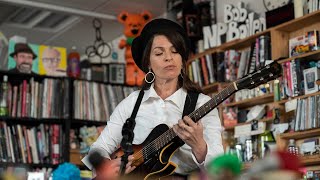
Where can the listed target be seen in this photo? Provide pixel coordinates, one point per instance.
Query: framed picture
(192, 25)
(98, 72)
(310, 76)
(117, 73)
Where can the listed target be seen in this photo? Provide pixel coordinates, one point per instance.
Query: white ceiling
(79, 31)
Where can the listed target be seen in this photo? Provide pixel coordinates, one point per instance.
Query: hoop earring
(182, 72)
(149, 73)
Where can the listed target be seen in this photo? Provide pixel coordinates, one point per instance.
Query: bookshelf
(310, 160)
(214, 87)
(307, 160)
(281, 34)
(56, 107)
(38, 114)
(91, 110)
(301, 134)
(267, 120)
(279, 48)
(267, 98)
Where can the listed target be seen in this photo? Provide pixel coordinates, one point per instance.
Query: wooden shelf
(75, 157)
(242, 43)
(305, 55)
(33, 121)
(40, 165)
(305, 161)
(80, 122)
(299, 23)
(310, 160)
(235, 44)
(301, 134)
(267, 120)
(297, 97)
(252, 101)
(206, 52)
(214, 87)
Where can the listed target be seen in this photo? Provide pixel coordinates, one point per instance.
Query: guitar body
(156, 164)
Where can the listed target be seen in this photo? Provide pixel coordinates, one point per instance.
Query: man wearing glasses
(51, 58)
(24, 56)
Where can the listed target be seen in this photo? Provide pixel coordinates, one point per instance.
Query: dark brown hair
(180, 45)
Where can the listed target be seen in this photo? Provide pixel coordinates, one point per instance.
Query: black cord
(126, 143)
(128, 134)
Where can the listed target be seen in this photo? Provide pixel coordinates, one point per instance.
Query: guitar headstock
(261, 76)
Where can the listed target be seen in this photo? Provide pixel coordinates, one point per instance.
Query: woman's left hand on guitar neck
(192, 134)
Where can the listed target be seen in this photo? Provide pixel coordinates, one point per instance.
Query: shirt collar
(178, 97)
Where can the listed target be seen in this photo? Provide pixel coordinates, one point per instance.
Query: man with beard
(24, 56)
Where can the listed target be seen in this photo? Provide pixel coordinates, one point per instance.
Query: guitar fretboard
(196, 115)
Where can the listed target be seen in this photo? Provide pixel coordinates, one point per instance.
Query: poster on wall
(37, 59)
(192, 25)
(23, 58)
(52, 61)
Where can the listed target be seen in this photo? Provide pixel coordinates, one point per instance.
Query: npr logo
(238, 24)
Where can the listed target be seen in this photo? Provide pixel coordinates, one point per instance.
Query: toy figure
(74, 143)
(88, 136)
(133, 24)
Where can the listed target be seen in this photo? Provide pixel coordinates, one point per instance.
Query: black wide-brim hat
(156, 26)
(23, 47)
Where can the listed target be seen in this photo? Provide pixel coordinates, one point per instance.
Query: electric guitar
(152, 157)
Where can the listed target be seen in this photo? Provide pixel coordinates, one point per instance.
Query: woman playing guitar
(161, 51)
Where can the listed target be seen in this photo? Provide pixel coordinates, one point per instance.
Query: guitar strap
(137, 105)
(189, 106)
(128, 135)
(190, 103)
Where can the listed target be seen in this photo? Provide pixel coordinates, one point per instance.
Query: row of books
(303, 7)
(299, 78)
(35, 99)
(307, 113)
(261, 90)
(22, 144)
(240, 63)
(96, 101)
(49, 98)
(202, 70)
(230, 65)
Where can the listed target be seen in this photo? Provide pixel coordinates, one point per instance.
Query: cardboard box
(298, 45)
(311, 75)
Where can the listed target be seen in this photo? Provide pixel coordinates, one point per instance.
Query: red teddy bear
(133, 24)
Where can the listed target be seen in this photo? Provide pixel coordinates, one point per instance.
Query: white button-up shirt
(152, 112)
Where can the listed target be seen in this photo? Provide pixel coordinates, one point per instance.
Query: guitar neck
(196, 115)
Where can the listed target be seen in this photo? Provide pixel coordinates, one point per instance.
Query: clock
(273, 4)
